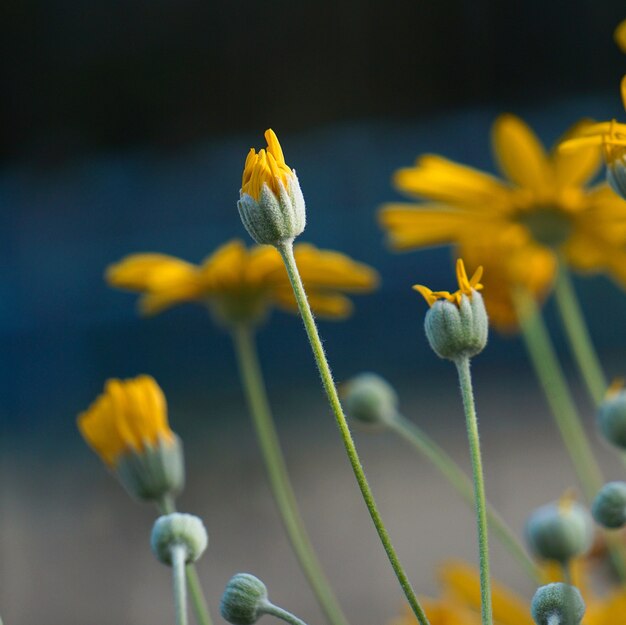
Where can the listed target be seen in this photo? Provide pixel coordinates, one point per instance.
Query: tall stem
(254, 387)
(286, 251)
(416, 437)
(198, 602)
(178, 579)
(465, 381)
(578, 336)
(283, 615)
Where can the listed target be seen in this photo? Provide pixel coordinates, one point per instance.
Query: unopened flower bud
(178, 530)
(560, 531)
(244, 599)
(612, 416)
(370, 399)
(558, 604)
(271, 204)
(609, 506)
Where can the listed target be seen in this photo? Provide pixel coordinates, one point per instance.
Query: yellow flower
(241, 283)
(465, 286)
(460, 601)
(515, 227)
(267, 167)
(130, 416)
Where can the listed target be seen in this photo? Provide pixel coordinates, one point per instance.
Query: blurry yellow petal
(324, 304)
(436, 178)
(576, 167)
(225, 267)
(619, 35)
(139, 272)
(462, 581)
(519, 153)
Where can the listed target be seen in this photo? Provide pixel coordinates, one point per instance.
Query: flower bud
(558, 604)
(457, 331)
(370, 399)
(560, 531)
(609, 506)
(176, 530)
(612, 417)
(155, 471)
(271, 204)
(616, 173)
(244, 599)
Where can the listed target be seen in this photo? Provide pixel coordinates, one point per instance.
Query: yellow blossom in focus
(265, 167)
(460, 601)
(127, 417)
(516, 226)
(466, 286)
(241, 283)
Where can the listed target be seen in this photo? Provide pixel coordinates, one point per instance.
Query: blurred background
(125, 125)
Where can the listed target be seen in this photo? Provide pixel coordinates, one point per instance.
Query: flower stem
(254, 387)
(178, 578)
(198, 602)
(548, 370)
(416, 437)
(465, 381)
(286, 251)
(283, 615)
(578, 336)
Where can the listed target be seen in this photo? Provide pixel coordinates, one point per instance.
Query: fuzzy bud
(457, 331)
(609, 506)
(370, 399)
(612, 418)
(176, 530)
(558, 604)
(560, 531)
(244, 599)
(155, 471)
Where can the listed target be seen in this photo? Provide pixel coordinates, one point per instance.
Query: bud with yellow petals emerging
(127, 427)
(271, 205)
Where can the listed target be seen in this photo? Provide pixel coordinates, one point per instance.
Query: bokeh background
(124, 128)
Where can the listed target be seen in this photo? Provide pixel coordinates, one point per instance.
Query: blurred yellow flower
(465, 286)
(242, 283)
(265, 167)
(128, 417)
(541, 209)
(460, 601)
(620, 35)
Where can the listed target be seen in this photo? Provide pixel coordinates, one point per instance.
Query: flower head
(271, 204)
(240, 284)
(129, 416)
(127, 427)
(516, 226)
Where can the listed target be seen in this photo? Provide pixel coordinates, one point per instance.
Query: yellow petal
(139, 272)
(576, 167)
(333, 306)
(519, 153)
(619, 35)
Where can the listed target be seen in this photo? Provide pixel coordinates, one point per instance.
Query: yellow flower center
(548, 225)
(265, 167)
(466, 287)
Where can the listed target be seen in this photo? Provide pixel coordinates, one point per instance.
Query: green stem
(286, 251)
(578, 336)
(178, 579)
(200, 608)
(283, 615)
(552, 379)
(254, 387)
(416, 437)
(465, 381)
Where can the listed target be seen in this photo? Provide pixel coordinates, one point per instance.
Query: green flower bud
(560, 531)
(244, 599)
(558, 604)
(616, 174)
(609, 506)
(271, 204)
(369, 399)
(155, 471)
(176, 530)
(612, 418)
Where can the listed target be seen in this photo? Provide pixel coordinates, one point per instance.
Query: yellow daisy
(241, 283)
(540, 210)
(129, 416)
(460, 601)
